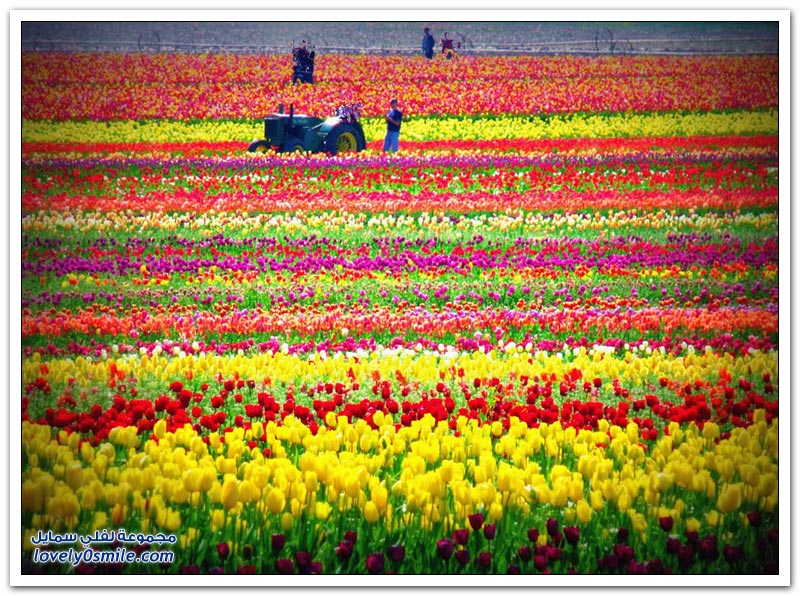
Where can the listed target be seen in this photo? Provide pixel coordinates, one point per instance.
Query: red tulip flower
(572, 533)
(375, 562)
(277, 541)
(476, 521)
(397, 552)
(489, 531)
(444, 548)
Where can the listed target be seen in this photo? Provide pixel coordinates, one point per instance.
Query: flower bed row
(447, 133)
(112, 68)
(437, 182)
(667, 387)
(353, 496)
(443, 175)
(584, 223)
(97, 87)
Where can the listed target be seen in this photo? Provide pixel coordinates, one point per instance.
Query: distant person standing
(303, 64)
(427, 43)
(447, 46)
(394, 118)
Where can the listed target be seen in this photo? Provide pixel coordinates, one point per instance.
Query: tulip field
(540, 339)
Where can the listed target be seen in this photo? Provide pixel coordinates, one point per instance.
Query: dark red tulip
(476, 521)
(708, 548)
(484, 560)
(303, 559)
(772, 536)
(553, 553)
(397, 552)
(344, 549)
(552, 526)
(444, 548)
(540, 562)
(673, 545)
(611, 561)
(624, 552)
(636, 568)
(375, 562)
(686, 555)
(732, 554)
(277, 541)
(489, 531)
(572, 533)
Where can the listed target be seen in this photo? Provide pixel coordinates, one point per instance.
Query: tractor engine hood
(329, 124)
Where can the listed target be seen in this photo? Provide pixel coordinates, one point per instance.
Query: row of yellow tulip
(424, 366)
(176, 482)
(423, 128)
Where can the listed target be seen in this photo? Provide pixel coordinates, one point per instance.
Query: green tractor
(298, 133)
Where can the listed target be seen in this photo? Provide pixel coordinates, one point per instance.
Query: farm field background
(540, 339)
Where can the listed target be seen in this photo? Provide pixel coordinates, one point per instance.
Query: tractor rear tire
(293, 145)
(259, 146)
(345, 138)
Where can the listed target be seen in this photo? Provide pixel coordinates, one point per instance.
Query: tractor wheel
(293, 145)
(345, 138)
(258, 147)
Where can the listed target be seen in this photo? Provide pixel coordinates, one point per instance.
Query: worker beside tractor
(340, 133)
(394, 118)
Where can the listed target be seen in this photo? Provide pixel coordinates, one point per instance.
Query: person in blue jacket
(427, 43)
(393, 120)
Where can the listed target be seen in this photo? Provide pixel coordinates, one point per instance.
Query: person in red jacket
(447, 47)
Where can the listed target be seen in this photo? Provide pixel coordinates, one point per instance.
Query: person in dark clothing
(427, 43)
(303, 64)
(393, 120)
(447, 47)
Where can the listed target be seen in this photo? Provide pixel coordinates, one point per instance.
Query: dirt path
(405, 37)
